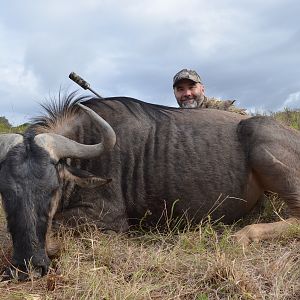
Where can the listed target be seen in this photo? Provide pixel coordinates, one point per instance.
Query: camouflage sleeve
(224, 105)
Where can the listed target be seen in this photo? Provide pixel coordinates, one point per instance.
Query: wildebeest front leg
(75, 217)
(105, 216)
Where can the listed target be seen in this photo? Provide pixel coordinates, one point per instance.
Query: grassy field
(196, 263)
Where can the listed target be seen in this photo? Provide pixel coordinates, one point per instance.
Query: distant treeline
(6, 127)
(290, 117)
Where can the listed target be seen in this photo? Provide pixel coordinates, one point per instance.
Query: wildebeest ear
(83, 178)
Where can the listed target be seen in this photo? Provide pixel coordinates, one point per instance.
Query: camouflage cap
(186, 74)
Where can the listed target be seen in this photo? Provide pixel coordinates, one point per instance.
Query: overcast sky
(243, 50)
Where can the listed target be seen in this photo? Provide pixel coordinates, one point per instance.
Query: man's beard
(193, 102)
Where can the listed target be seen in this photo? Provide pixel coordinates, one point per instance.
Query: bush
(288, 117)
(6, 127)
(4, 121)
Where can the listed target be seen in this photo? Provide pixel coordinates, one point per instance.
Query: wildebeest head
(31, 175)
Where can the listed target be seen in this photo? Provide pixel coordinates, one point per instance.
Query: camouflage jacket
(211, 102)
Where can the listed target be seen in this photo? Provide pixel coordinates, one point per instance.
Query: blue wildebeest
(188, 162)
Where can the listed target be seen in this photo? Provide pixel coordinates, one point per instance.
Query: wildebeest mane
(128, 102)
(138, 108)
(58, 110)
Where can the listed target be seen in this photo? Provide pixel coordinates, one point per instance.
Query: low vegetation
(198, 263)
(6, 127)
(289, 117)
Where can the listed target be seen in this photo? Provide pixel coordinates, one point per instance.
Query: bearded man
(189, 93)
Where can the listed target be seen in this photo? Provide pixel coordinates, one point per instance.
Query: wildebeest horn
(7, 141)
(59, 146)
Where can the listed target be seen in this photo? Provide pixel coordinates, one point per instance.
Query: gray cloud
(243, 50)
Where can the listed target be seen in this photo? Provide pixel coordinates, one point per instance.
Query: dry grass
(200, 263)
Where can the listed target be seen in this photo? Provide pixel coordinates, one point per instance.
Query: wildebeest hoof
(247, 235)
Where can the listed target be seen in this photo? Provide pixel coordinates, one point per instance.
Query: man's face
(189, 94)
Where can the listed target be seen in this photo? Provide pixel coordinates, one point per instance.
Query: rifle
(82, 83)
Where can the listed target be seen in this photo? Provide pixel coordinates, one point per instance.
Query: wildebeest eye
(55, 162)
